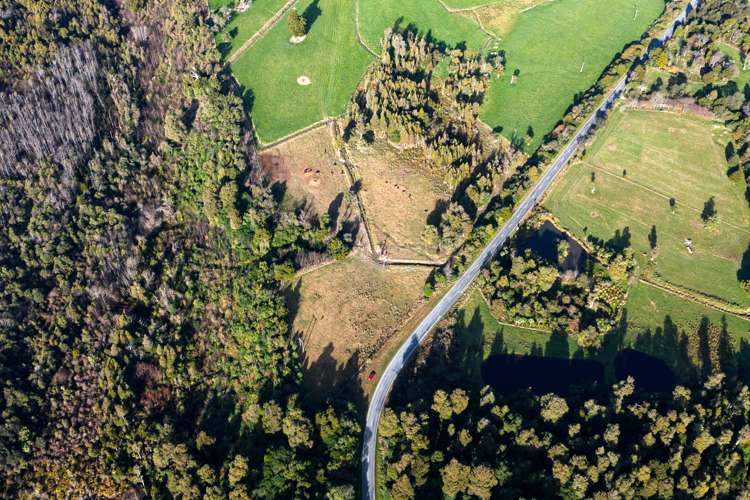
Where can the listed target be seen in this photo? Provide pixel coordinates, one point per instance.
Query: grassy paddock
(664, 155)
(549, 45)
(330, 56)
(648, 308)
(426, 15)
(243, 25)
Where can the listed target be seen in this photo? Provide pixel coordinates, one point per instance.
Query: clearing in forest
(330, 56)
(400, 197)
(557, 50)
(305, 171)
(622, 194)
(345, 311)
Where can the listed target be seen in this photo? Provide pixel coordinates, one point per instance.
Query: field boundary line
(295, 134)
(352, 179)
(660, 194)
(532, 7)
(261, 32)
(360, 39)
(303, 272)
(683, 294)
(409, 262)
(457, 10)
(492, 36)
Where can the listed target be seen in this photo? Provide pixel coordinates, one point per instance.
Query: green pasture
(243, 25)
(217, 4)
(648, 308)
(640, 160)
(330, 56)
(471, 4)
(560, 49)
(428, 16)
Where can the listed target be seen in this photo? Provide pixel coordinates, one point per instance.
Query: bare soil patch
(400, 196)
(305, 168)
(345, 312)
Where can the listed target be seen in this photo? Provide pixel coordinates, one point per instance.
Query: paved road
(377, 402)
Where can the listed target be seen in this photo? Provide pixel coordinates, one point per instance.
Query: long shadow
(743, 273)
(434, 217)
(334, 209)
(225, 48)
(451, 358)
(693, 354)
(327, 380)
(617, 243)
(743, 361)
(311, 14)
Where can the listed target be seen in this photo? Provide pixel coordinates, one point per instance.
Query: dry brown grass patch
(500, 18)
(306, 165)
(399, 195)
(346, 311)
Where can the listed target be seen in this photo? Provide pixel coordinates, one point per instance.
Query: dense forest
(144, 342)
(615, 443)
(145, 347)
(565, 290)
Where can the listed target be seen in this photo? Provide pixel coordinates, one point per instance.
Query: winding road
(446, 303)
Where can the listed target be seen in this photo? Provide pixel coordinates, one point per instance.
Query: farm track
(463, 283)
(352, 178)
(261, 32)
(359, 32)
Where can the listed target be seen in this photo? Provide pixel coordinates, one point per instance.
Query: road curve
(446, 303)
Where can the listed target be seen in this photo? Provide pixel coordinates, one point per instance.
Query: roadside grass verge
(243, 25)
(663, 155)
(330, 57)
(559, 49)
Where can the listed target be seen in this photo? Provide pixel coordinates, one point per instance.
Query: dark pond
(509, 373)
(651, 374)
(544, 243)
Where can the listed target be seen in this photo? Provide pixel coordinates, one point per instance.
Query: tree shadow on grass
(617, 243)
(225, 48)
(743, 273)
(311, 14)
(248, 100)
(328, 379)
